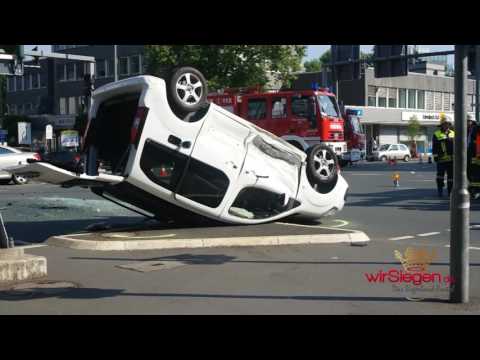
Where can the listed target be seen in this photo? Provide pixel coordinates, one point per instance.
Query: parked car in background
(392, 151)
(11, 157)
(169, 154)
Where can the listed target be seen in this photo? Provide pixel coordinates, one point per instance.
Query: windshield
(356, 126)
(328, 105)
(384, 147)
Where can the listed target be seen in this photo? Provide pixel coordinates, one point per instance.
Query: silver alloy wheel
(189, 89)
(20, 180)
(324, 166)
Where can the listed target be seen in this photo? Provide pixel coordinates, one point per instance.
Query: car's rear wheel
(20, 180)
(322, 168)
(187, 91)
(406, 158)
(383, 158)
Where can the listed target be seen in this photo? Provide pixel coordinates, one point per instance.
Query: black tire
(193, 97)
(406, 158)
(383, 158)
(322, 176)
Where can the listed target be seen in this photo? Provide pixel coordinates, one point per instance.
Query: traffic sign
(49, 132)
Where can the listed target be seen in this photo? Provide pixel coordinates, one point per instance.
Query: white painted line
(428, 234)
(122, 236)
(402, 238)
(29, 245)
(470, 248)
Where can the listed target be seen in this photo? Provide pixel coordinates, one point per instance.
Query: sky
(315, 51)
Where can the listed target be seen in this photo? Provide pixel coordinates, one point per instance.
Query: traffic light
(390, 67)
(346, 53)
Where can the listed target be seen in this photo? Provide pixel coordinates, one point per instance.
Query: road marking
(428, 234)
(401, 238)
(469, 248)
(342, 223)
(28, 245)
(123, 236)
(364, 174)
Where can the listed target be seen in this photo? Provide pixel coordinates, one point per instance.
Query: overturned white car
(173, 156)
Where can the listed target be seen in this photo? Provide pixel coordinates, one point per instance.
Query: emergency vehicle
(301, 117)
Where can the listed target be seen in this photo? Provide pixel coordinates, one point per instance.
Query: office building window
(471, 103)
(12, 109)
(80, 70)
(60, 72)
(35, 81)
(392, 97)
(19, 83)
(420, 99)
(402, 101)
(437, 101)
(27, 81)
(135, 64)
(111, 68)
(43, 79)
(62, 106)
(372, 95)
(429, 99)
(11, 84)
(412, 99)
(123, 66)
(72, 106)
(382, 97)
(70, 71)
(101, 70)
(446, 102)
(28, 108)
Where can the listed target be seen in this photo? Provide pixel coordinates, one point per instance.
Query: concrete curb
(348, 237)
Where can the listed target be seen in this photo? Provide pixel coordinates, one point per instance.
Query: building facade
(53, 93)
(389, 103)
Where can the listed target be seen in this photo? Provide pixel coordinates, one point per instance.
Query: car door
(215, 163)
(393, 152)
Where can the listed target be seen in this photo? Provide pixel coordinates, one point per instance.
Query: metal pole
(115, 61)
(477, 86)
(4, 243)
(460, 199)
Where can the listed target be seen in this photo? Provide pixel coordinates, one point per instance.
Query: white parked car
(13, 157)
(174, 156)
(392, 151)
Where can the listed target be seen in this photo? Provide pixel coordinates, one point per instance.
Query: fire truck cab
(301, 117)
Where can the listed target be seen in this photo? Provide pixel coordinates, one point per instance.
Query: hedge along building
(389, 103)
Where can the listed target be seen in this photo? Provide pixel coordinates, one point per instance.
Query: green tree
(229, 65)
(413, 130)
(313, 65)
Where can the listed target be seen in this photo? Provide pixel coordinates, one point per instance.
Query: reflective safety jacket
(474, 146)
(442, 148)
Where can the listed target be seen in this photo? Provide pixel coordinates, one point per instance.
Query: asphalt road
(322, 279)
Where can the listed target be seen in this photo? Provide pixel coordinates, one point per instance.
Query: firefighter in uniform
(474, 161)
(443, 154)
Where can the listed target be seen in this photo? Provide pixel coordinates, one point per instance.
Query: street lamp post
(460, 198)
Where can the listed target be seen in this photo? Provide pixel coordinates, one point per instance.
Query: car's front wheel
(322, 168)
(187, 91)
(20, 180)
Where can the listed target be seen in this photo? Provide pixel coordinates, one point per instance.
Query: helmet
(443, 119)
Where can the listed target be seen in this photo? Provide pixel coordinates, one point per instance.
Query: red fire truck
(301, 117)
